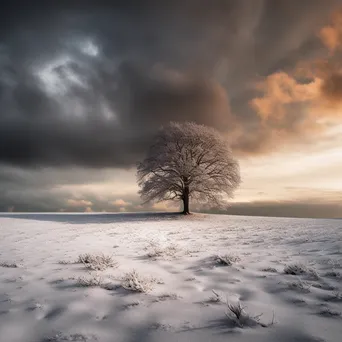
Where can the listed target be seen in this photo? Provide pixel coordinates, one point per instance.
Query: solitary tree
(188, 161)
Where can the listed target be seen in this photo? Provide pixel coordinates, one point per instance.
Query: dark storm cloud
(65, 102)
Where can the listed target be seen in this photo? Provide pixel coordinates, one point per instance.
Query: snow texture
(284, 283)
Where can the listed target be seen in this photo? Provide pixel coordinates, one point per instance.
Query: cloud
(300, 104)
(120, 203)
(280, 90)
(78, 203)
(331, 35)
(304, 208)
(83, 88)
(49, 197)
(331, 88)
(88, 88)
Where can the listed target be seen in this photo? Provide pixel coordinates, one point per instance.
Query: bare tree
(188, 161)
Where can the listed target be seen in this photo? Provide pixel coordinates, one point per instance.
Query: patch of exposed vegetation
(327, 312)
(91, 281)
(65, 262)
(167, 296)
(299, 285)
(300, 269)
(215, 298)
(97, 262)
(155, 250)
(9, 264)
(333, 274)
(133, 281)
(227, 260)
(269, 269)
(60, 337)
(237, 314)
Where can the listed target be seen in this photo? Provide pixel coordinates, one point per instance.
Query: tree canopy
(188, 161)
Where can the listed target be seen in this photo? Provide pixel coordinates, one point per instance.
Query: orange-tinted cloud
(79, 203)
(300, 104)
(281, 89)
(120, 203)
(331, 88)
(331, 35)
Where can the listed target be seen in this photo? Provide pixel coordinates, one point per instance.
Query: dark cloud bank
(87, 83)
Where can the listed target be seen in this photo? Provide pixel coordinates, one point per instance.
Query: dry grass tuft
(215, 298)
(97, 262)
(299, 285)
(337, 296)
(295, 269)
(131, 305)
(236, 309)
(167, 296)
(9, 264)
(155, 250)
(236, 313)
(326, 312)
(227, 260)
(133, 281)
(65, 262)
(269, 269)
(190, 279)
(60, 337)
(91, 281)
(300, 269)
(333, 274)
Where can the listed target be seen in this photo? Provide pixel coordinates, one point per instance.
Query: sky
(84, 85)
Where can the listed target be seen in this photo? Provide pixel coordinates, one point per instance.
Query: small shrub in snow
(85, 258)
(313, 274)
(227, 260)
(299, 285)
(333, 274)
(135, 282)
(131, 305)
(300, 269)
(334, 263)
(167, 296)
(326, 312)
(9, 265)
(190, 279)
(93, 280)
(97, 262)
(236, 309)
(269, 269)
(65, 262)
(60, 337)
(34, 307)
(215, 298)
(236, 313)
(295, 269)
(337, 296)
(157, 251)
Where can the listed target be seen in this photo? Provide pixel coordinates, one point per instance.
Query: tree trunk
(186, 210)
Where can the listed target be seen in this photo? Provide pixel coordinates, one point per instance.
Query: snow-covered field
(190, 293)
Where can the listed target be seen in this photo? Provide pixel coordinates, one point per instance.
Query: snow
(41, 299)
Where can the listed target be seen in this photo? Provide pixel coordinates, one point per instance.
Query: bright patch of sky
(89, 48)
(54, 82)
